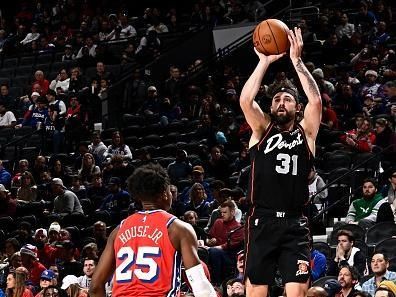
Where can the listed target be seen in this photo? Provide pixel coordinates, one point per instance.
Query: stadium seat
(10, 63)
(44, 59)
(130, 120)
(7, 72)
(320, 282)
(5, 81)
(24, 70)
(388, 247)
(31, 219)
(379, 232)
(24, 130)
(28, 60)
(7, 224)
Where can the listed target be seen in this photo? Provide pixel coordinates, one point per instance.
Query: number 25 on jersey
(141, 264)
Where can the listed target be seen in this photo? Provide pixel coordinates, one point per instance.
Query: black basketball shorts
(277, 241)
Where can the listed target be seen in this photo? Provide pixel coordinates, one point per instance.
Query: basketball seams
(261, 44)
(273, 37)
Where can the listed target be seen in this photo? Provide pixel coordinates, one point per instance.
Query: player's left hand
(296, 43)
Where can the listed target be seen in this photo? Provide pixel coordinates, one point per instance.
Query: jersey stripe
(176, 271)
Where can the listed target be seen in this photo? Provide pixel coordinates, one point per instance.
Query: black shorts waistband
(277, 214)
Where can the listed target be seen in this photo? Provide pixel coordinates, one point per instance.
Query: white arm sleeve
(199, 283)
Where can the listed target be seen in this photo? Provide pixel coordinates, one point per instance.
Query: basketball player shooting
(282, 152)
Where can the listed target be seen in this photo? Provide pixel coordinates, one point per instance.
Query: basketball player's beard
(283, 119)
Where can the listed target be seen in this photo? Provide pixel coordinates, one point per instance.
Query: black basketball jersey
(281, 162)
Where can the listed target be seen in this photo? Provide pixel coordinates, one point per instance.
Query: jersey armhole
(170, 221)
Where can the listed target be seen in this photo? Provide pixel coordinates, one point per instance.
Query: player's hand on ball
(270, 58)
(296, 43)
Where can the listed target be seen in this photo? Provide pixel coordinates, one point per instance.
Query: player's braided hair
(148, 182)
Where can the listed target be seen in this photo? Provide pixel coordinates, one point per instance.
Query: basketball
(270, 37)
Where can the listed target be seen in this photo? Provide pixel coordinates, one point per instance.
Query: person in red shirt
(145, 251)
(31, 263)
(40, 79)
(16, 283)
(360, 139)
(226, 238)
(329, 116)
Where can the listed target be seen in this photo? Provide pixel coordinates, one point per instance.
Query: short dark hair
(352, 270)
(386, 258)
(346, 233)
(148, 182)
(370, 180)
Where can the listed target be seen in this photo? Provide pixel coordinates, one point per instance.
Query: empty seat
(44, 59)
(388, 247)
(24, 70)
(130, 120)
(7, 133)
(10, 62)
(380, 232)
(28, 60)
(24, 130)
(16, 92)
(21, 81)
(7, 72)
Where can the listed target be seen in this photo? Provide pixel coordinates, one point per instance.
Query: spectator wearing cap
(7, 204)
(332, 287)
(68, 54)
(31, 263)
(7, 117)
(151, 104)
(117, 200)
(198, 174)
(371, 86)
(65, 202)
(379, 266)
(47, 279)
(180, 168)
(386, 289)
(53, 232)
(45, 251)
(72, 288)
(68, 265)
(38, 115)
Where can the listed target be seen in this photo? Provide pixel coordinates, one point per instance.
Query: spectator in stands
(347, 103)
(5, 96)
(235, 287)
(318, 262)
(77, 80)
(88, 169)
(127, 30)
(315, 185)
(62, 80)
(384, 137)
(347, 254)
(363, 211)
(5, 176)
(39, 166)
(101, 73)
(7, 204)
(360, 139)
(379, 266)
(117, 200)
(47, 279)
(242, 160)
(90, 250)
(371, 86)
(33, 35)
(387, 211)
(149, 47)
(219, 164)
(65, 202)
(372, 106)
(226, 236)
(118, 147)
(180, 168)
(31, 262)
(317, 292)
(42, 81)
(191, 217)
(323, 84)
(23, 165)
(198, 174)
(69, 264)
(76, 122)
(345, 29)
(220, 195)
(84, 281)
(16, 284)
(68, 54)
(198, 201)
(97, 148)
(348, 278)
(27, 192)
(36, 118)
(386, 289)
(100, 234)
(78, 188)
(7, 117)
(96, 191)
(90, 46)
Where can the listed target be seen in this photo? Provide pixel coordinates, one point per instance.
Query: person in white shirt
(89, 268)
(61, 81)
(34, 35)
(345, 29)
(7, 118)
(89, 43)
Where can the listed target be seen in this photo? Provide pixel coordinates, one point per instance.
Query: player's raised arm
(104, 269)
(313, 110)
(255, 117)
